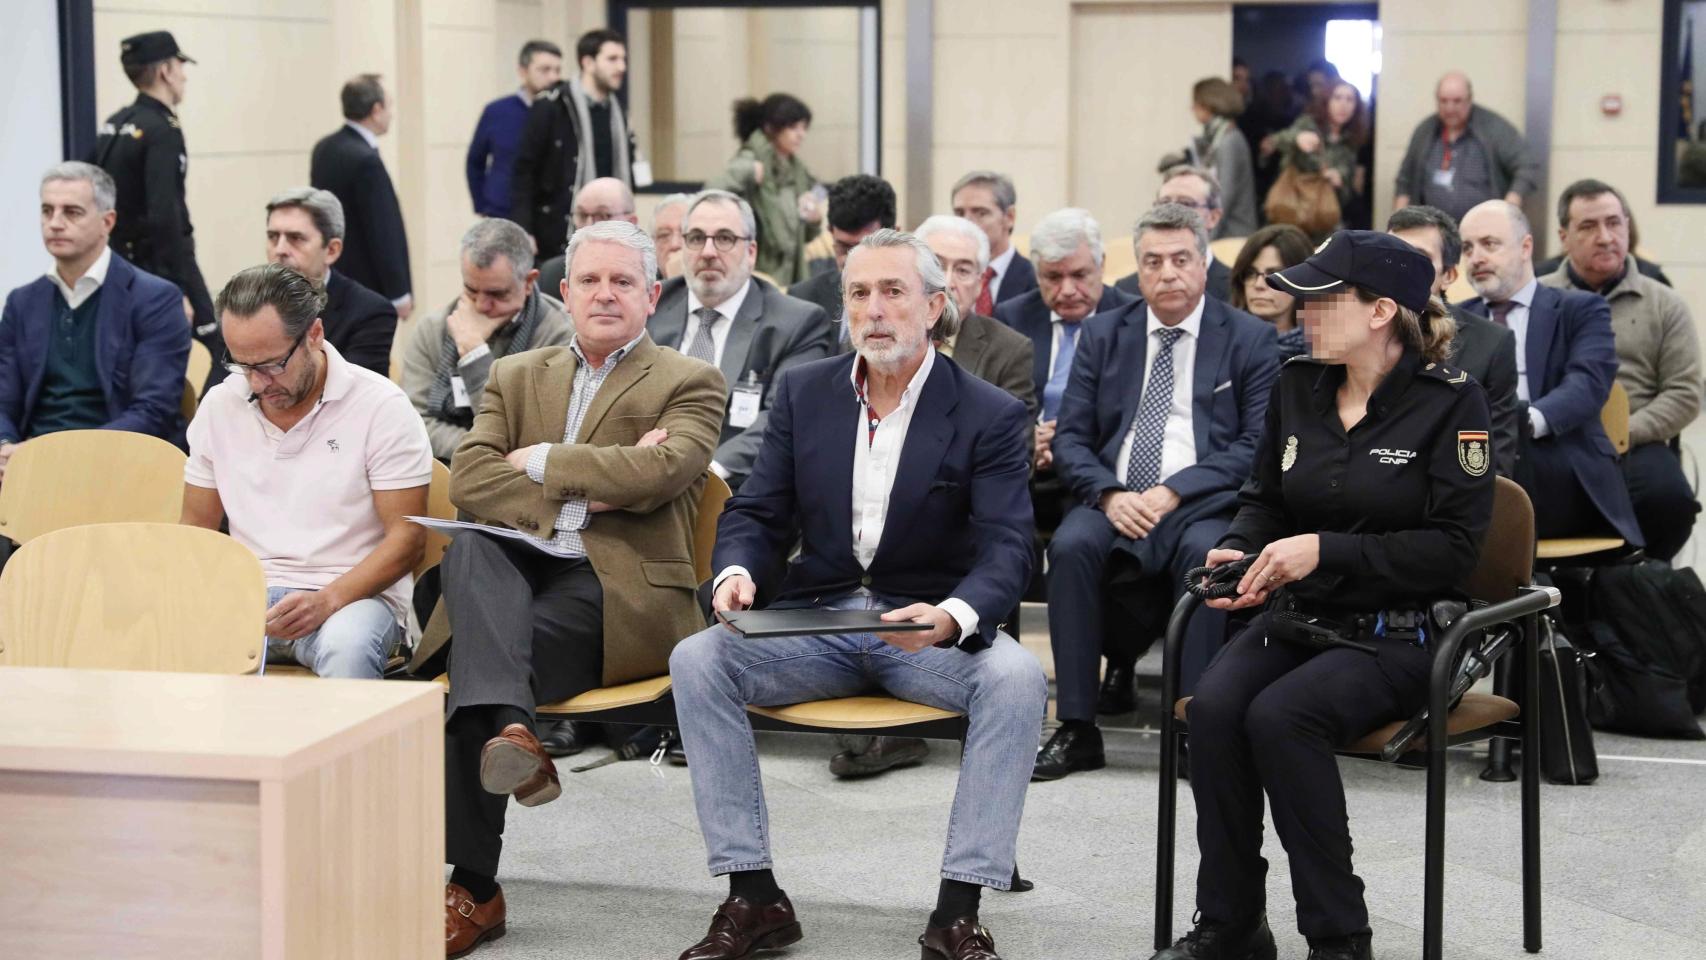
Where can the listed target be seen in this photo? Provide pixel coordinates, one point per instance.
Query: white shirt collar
(366, 134)
(1192, 324)
(525, 97)
(914, 387)
(728, 309)
(1525, 296)
(91, 280)
(1004, 261)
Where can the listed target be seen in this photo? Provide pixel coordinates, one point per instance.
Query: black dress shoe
(1075, 746)
(675, 753)
(882, 754)
(560, 738)
(1357, 946)
(1119, 689)
(1221, 941)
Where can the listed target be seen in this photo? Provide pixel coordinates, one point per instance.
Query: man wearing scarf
(501, 312)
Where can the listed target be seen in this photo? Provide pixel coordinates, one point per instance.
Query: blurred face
(791, 138)
(1317, 84)
(1071, 286)
(176, 78)
(293, 240)
(844, 241)
(261, 341)
(603, 199)
(1497, 259)
(1597, 239)
(1426, 239)
(1339, 325)
(495, 291)
(977, 204)
(380, 118)
(1241, 80)
(1452, 100)
(542, 72)
(666, 233)
(1189, 190)
(607, 70)
(608, 296)
(1342, 104)
(715, 274)
(958, 256)
(1262, 300)
(888, 314)
(1171, 272)
(71, 229)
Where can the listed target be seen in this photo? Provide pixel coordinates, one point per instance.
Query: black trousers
(528, 629)
(1268, 716)
(1664, 504)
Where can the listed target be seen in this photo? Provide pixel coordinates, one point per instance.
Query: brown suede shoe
(468, 924)
(740, 929)
(964, 939)
(514, 762)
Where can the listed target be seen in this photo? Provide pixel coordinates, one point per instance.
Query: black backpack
(1648, 632)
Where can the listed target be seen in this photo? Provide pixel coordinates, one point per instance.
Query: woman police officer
(1369, 497)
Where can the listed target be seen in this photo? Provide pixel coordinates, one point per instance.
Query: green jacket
(1337, 154)
(782, 235)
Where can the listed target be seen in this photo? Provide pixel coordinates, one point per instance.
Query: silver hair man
(1057, 235)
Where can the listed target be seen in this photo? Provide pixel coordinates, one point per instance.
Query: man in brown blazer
(594, 456)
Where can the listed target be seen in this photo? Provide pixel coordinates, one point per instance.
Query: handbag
(1304, 200)
(1567, 753)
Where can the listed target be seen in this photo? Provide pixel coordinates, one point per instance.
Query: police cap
(1377, 262)
(147, 48)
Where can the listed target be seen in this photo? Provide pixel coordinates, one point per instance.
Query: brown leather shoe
(740, 929)
(468, 924)
(514, 762)
(964, 939)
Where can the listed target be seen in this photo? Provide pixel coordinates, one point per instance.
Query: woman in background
(768, 172)
(1267, 252)
(1221, 148)
(1326, 139)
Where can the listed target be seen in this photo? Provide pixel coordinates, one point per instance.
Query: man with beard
(750, 330)
(315, 462)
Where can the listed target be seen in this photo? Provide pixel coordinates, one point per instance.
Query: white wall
(29, 113)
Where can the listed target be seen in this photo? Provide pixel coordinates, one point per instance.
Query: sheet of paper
(451, 527)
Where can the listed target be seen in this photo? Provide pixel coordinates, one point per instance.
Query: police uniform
(1400, 502)
(142, 148)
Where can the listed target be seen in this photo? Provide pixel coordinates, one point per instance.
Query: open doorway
(1287, 59)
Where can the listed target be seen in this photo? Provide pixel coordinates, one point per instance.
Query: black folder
(811, 621)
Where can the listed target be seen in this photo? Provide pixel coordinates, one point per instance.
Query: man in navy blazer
(96, 343)
(902, 477)
(988, 199)
(1157, 432)
(1566, 363)
(347, 162)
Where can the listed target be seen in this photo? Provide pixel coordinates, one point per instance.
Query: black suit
(1219, 281)
(1488, 352)
(1020, 279)
(823, 289)
(376, 249)
(551, 274)
(360, 323)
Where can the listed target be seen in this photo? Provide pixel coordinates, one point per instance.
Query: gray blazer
(772, 332)
(998, 354)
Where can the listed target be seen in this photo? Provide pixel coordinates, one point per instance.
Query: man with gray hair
(501, 311)
(666, 233)
(305, 232)
(96, 343)
(987, 198)
(1157, 433)
(902, 479)
(1198, 189)
(749, 330)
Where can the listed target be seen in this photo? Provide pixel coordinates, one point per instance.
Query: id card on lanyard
(1444, 176)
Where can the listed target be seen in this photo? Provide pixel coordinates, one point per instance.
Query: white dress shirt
(1179, 441)
(1000, 265)
(726, 312)
(87, 284)
(1517, 320)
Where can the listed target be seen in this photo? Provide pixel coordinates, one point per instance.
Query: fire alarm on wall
(1611, 104)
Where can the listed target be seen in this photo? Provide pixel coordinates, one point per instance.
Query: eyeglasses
(1186, 202)
(724, 240)
(586, 217)
(269, 369)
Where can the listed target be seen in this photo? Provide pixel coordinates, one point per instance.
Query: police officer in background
(142, 148)
(1369, 497)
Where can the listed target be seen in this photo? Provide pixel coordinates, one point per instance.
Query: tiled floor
(615, 869)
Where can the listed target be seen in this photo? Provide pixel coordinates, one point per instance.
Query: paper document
(451, 527)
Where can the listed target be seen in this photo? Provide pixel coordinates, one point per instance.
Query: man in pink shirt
(315, 461)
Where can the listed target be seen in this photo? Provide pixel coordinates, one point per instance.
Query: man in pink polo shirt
(315, 461)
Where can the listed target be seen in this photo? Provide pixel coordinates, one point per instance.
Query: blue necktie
(1143, 469)
(1056, 386)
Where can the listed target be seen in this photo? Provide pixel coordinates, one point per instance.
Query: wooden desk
(176, 815)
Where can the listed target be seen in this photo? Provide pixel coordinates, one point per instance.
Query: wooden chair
(1226, 249)
(133, 596)
(90, 476)
(1501, 581)
(1614, 417)
(195, 377)
(1119, 259)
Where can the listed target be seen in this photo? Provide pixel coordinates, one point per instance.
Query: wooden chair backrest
(134, 596)
(1614, 417)
(200, 365)
(439, 507)
(711, 501)
(1507, 552)
(90, 476)
(1119, 259)
(1226, 249)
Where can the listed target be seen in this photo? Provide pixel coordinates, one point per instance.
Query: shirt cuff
(721, 471)
(730, 571)
(1537, 423)
(473, 355)
(403, 302)
(963, 615)
(536, 462)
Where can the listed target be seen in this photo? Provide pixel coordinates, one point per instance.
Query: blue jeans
(354, 642)
(716, 674)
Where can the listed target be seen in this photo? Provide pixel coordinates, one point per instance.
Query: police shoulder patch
(1473, 452)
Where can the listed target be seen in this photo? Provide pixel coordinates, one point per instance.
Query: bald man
(605, 198)
(1463, 155)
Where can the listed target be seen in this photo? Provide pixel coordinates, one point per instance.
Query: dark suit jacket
(376, 249)
(142, 347)
(542, 185)
(1571, 362)
(1021, 279)
(771, 333)
(823, 289)
(996, 353)
(959, 516)
(1488, 352)
(1219, 281)
(551, 273)
(1231, 380)
(360, 323)
(1029, 315)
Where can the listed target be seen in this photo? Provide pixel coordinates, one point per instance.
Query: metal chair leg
(1499, 749)
(1167, 806)
(1531, 748)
